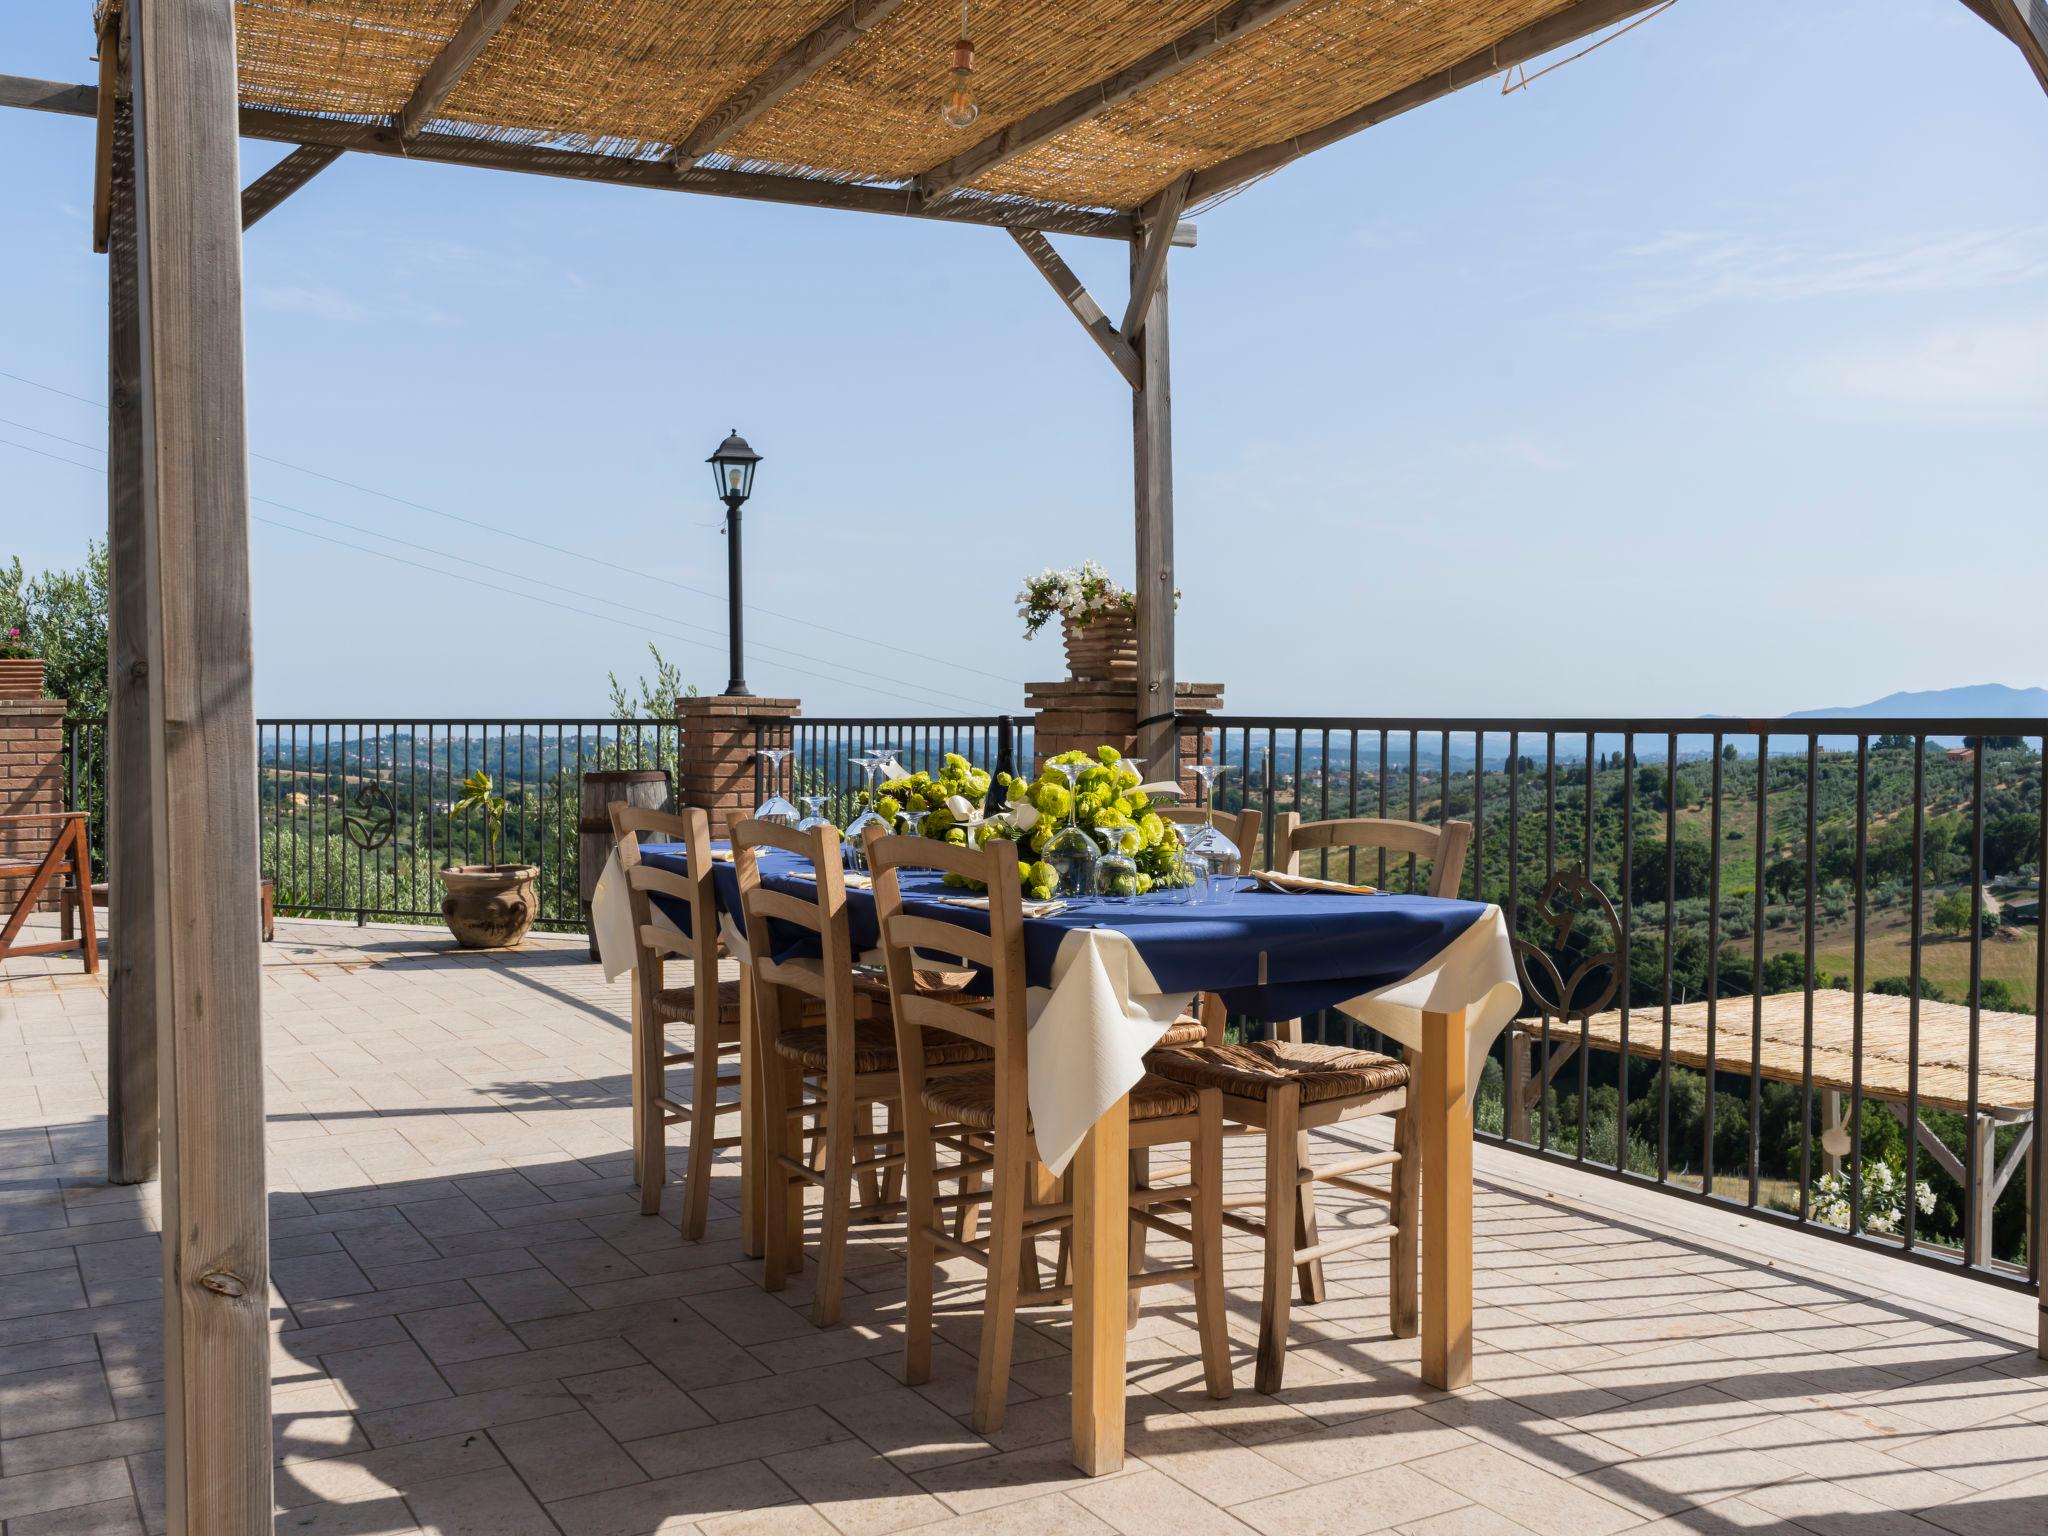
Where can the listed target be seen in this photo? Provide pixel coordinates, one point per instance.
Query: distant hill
(1983, 700)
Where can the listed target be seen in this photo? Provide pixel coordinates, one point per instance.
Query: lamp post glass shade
(732, 468)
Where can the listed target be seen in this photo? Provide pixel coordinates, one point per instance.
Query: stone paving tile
(476, 1330)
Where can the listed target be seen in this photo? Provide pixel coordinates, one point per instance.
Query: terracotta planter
(21, 678)
(489, 906)
(1105, 647)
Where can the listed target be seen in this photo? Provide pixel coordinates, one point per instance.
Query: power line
(934, 694)
(558, 549)
(922, 702)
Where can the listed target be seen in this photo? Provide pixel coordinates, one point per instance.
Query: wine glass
(912, 822)
(1195, 874)
(1072, 852)
(1221, 857)
(814, 813)
(1116, 876)
(775, 808)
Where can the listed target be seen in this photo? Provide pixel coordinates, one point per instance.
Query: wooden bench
(66, 846)
(69, 905)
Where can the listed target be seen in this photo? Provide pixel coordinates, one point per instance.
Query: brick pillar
(31, 779)
(1081, 715)
(719, 736)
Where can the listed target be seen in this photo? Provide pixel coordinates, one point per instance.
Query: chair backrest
(1445, 846)
(830, 978)
(654, 943)
(1000, 951)
(1241, 827)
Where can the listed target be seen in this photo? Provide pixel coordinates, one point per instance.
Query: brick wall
(718, 752)
(31, 779)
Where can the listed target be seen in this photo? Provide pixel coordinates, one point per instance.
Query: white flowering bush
(1884, 1198)
(1080, 595)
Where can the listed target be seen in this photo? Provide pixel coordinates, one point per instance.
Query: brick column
(1081, 715)
(31, 779)
(718, 752)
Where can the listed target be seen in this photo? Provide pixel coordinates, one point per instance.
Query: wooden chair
(1287, 1087)
(817, 1023)
(712, 1009)
(67, 845)
(983, 1115)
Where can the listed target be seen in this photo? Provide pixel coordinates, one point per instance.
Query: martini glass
(853, 841)
(1072, 852)
(814, 813)
(776, 807)
(1116, 875)
(1222, 858)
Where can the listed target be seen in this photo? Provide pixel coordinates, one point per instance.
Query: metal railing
(822, 763)
(1829, 860)
(356, 816)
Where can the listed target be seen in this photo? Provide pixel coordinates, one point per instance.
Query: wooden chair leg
(703, 1130)
(841, 1115)
(999, 1310)
(1309, 1275)
(1205, 1216)
(892, 1178)
(1283, 1123)
(1404, 1253)
(650, 1151)
(871, 1181)
(920, 1184)
(791, 1190)
(1141, 1178)
(81, 865)
(1045, 1190)
(966, 1216)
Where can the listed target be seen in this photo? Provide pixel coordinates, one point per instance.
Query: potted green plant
(21, 669)
(489, 905)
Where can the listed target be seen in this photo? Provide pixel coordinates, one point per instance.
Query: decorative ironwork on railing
(1796, 963)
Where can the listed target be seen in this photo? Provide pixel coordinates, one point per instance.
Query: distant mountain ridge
(1990, 701)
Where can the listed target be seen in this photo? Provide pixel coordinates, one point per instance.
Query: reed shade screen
(632, 78)
(2005, 1077)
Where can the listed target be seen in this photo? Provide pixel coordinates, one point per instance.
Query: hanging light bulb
(961, 110)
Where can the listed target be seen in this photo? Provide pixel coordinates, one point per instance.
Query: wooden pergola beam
(2026, 23)
(285, 178)
(441, 77)
(1148, 268)
(796, 64)
(492, 154)
(1080, 302)
(1531, 42)
(1230, 25)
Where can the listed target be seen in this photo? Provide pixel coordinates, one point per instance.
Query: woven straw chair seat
(969, 1099)
(1253, 1070)
(674, 1005)
(874, 1048)
(1187, 1030)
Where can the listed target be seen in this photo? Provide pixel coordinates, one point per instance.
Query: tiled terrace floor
(477, 1333)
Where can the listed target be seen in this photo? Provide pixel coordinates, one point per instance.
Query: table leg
(753, 1104)
(1101, 1177)
(1444, 1123)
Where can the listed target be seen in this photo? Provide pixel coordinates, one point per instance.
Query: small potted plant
(21, 669)
(488, 905)
(1099, 619)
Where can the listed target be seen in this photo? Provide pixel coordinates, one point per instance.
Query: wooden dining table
(1445, 1012)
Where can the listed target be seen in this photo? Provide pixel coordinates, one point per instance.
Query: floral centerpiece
(1078, 597)
(964, 802)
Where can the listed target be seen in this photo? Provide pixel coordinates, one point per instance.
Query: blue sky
(1710, 373)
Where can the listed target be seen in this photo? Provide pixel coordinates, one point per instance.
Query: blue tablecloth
(1270, 955)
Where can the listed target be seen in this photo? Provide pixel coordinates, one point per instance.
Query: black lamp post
(732, 466)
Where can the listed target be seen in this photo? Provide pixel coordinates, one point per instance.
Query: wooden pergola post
(1145, 325)
(131, 919)
(201, 772)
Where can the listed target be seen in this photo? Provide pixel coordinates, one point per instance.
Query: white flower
(958, 806)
